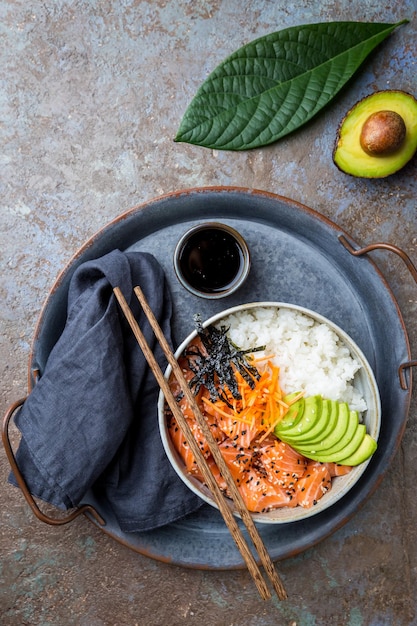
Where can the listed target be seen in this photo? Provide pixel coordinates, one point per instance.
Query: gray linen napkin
(91, 420)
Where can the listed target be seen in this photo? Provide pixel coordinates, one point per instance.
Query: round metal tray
(298, 257)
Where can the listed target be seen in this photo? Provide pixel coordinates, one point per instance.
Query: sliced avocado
(378, 136)
(335, 438)
(290, 396)
(352, 423)
(293, 414)
(316, 432)
(335, 457)
(332, 425)
(361, 454)
(311, 412)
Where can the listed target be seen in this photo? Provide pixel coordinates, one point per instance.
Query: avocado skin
(327, 431)
(348, 155)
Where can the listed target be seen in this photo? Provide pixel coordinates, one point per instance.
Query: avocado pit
(378, 135)
(383, 133)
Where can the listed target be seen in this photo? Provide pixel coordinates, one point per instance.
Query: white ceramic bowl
(364, 381)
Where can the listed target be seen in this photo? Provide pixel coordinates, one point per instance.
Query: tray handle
(86, 508)
(404, 367)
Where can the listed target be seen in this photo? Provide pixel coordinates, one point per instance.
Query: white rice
(311, 356)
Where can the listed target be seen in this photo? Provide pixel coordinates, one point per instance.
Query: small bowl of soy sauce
(212, 260)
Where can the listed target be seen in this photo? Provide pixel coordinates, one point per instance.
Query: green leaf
(275, 84)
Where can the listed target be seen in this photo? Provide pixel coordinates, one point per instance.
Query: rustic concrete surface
(91, 97)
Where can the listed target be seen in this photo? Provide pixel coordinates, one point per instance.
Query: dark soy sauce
(210, 260)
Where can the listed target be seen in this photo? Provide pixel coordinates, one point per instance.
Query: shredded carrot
(216, 407)
(261, 406)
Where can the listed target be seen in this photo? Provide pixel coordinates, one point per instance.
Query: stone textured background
(91, 97)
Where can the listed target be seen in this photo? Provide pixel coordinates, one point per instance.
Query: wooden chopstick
(200, 459)
(208, 476)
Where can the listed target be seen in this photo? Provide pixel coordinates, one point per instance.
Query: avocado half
(350, 154)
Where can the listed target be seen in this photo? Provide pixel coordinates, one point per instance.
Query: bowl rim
(344, 483)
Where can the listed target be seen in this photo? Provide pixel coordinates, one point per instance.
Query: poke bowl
(277, 446)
